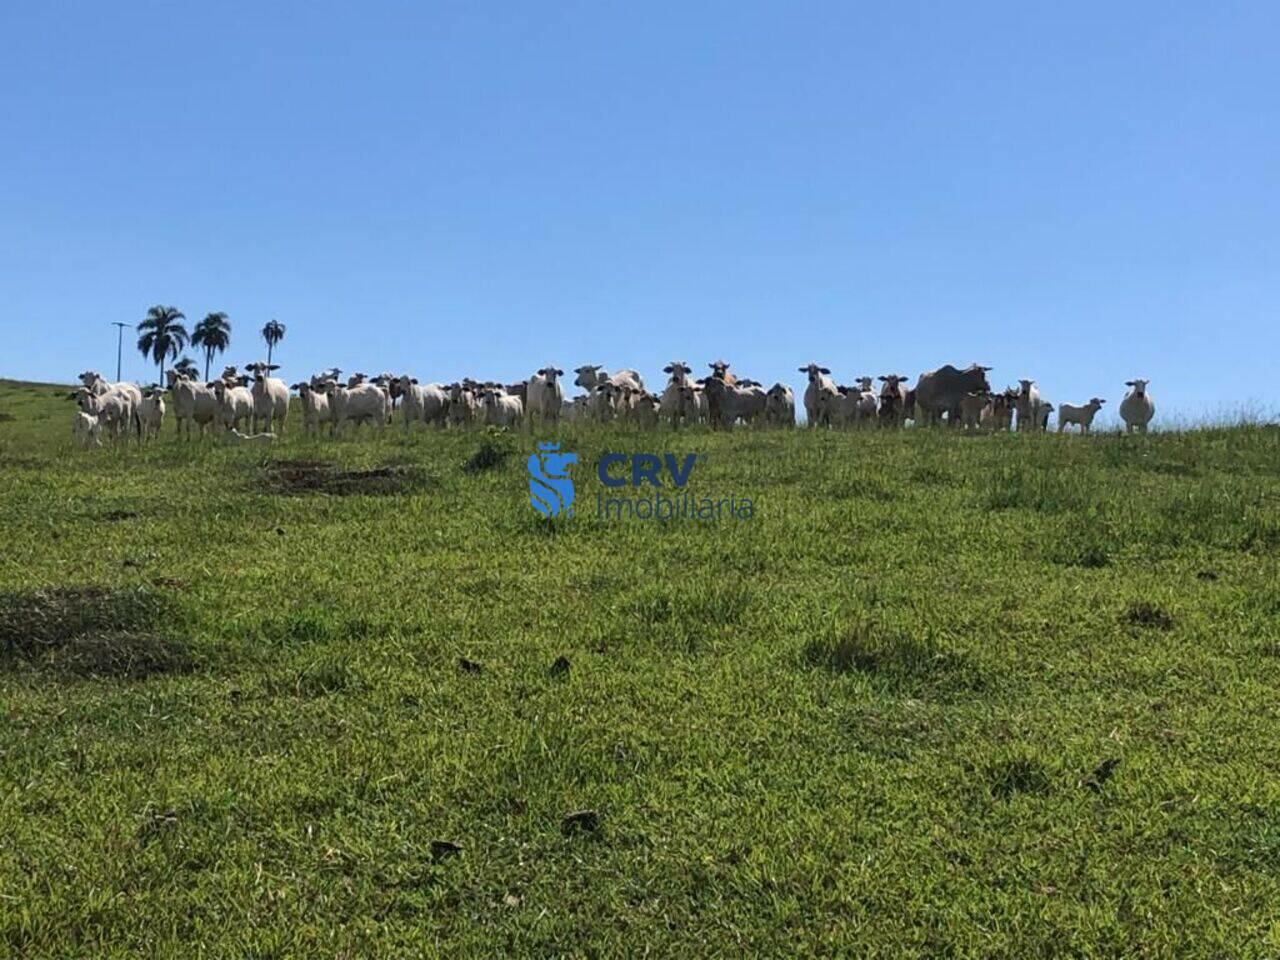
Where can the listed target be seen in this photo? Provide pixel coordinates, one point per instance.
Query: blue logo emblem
(550, 486)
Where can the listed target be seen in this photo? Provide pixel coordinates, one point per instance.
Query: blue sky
(1080, 192)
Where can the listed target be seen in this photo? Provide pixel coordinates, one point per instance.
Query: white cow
(693, 403)
(315, 408)
(643, 411)
(606, 400)
(894, 393)
(591, 376)
(193, 402)
(865, 407)
(501, 409)
(1137, 408)
(423, 403)
(235, 402)
(270, 398)
(780, 406)
(576, 410)
(151, 412)
(671, 406)
(1083, 416)
(544, 396)
(734, 401)
(1028, 406)
(821, 396)
(318, 380)
(93, 380)
(114, 410)
(843, 409)
(464, 403)
(364, 402)
(132, 394)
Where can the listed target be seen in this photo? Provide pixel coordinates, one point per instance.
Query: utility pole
(119, 343)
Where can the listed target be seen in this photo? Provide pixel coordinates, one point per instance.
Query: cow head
(718, 369)
(892, 384)
(1139, 386)
(610, 392)
(588, 376)
(815, 372)
(679, 371)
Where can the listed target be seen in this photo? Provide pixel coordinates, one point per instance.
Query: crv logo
(645, 467)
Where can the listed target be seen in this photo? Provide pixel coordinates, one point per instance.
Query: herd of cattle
(254, 400)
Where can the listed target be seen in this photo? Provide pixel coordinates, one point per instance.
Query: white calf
(87, 430)
(1082, 416)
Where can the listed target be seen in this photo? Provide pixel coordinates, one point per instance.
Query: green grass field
(987, 696)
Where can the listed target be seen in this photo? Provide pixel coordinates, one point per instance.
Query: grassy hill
(942, 695)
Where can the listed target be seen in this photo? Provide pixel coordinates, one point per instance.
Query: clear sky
(1076, 192)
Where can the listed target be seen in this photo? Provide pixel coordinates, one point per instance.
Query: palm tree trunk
(269, 346)
(208, 357)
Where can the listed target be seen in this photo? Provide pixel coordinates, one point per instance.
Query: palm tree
(163, 335)
(213, 334)
(187, 367)
(273, 333)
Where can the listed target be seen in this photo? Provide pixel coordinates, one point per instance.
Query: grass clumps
(1142, 613)
(1018, 773)
(325, 477)
(93, 631)
(495, 449)
(894, 661)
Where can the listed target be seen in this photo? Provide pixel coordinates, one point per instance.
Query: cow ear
(824, 370)
(667, 369)
(803, 369)
(1128, 383)
(273, 366)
